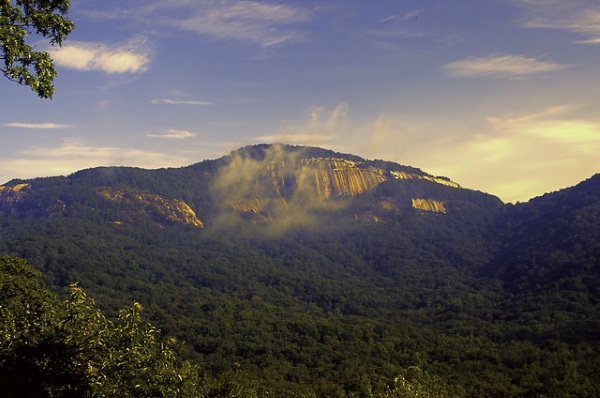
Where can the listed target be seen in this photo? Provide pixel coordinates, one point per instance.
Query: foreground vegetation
(50, 348)
(281, 317)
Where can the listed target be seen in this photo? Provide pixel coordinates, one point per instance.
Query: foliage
(23, 64)
(34, 352)
(70, 349)
(413, 382)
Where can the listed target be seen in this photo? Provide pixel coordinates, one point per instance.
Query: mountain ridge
(255, 181)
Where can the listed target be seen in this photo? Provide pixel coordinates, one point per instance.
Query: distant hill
(324, 273)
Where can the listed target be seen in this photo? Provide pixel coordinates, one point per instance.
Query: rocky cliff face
(151, 206)
(135, 205)
(338, 177)
(330, 177)
(428, 205)
(11, 195)
(278, 180)
(403, 175)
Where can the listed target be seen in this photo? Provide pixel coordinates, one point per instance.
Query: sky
(501, 96)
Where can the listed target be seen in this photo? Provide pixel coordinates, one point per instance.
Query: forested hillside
(306, 272)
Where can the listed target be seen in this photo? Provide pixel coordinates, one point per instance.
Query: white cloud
(581, 17)
(168, 101)
(131, 57)
(71, 156)
(519, 157)
(557, 126)
(504, 66)
(42, 126)
(174, 134)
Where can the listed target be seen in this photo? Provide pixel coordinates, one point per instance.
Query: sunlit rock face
(284, 184)
(267, 183)
(428, 205)
(403, 175)
(325, 178)
(248, 179)
(14, 189)
(299, 179)
(11, 195)
(336, 177)
(151, 206)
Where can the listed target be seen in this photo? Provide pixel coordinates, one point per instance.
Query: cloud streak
(167, 101)
(39, 126)
(391, 26)
(174, 134)
(71, 156)
(576, 16)
(131, 57)
(501, 66)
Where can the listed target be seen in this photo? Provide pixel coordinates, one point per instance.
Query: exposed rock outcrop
(336, 177)
(403, 175)
(10, 195)
(260, 184)
(153, 206)
(429, 205)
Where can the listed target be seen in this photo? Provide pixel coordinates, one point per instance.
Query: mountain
(263, 183)
(327, 274)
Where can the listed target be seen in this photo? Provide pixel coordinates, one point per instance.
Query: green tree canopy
(21, 62)
(65, 349)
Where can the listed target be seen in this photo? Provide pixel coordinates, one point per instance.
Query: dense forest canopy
(368, 294)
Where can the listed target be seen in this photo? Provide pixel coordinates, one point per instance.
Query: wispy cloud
(501, 66)
(305, 139)
(515, 155)
(397, 32)
(395, 26)
(509, 155)
(263, 23)
(581, 17)
(321, 125)
(71, 156)
(174, 134)
(41, 126)
(168, 101)
(130, 57)
(414, 14)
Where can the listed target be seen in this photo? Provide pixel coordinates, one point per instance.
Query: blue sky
(500, 96)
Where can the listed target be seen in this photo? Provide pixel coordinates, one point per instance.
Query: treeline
(333, 315)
